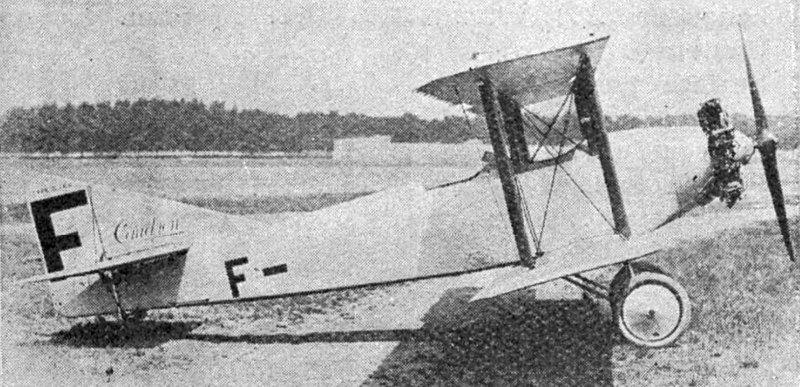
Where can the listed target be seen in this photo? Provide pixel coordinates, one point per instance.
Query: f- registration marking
(235, 279)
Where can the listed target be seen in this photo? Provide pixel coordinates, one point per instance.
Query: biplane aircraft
(551, 207)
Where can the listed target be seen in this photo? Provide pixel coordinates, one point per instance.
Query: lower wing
(595, 253)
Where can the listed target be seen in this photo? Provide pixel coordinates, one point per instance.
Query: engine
(728, 149)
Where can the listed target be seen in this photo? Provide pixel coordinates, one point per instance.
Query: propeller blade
(770, 162)
(767, 144)
(758, 108)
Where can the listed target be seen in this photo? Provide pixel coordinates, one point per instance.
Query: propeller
(766, 143)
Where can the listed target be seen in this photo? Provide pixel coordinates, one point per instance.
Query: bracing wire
(541, 143)
(550, 194)
(558, 165)
(527, 214)
(562, 134)
(599, 211)
(553, 178)
(521, 191)
(544, 136)
(550, 125)
(463, 109)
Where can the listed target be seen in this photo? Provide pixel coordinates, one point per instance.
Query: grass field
(746, 327)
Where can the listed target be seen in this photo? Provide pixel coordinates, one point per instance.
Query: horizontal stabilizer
(576, 258)
(528, 79)
(112, 263)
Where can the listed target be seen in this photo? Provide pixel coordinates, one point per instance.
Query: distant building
(380, 150)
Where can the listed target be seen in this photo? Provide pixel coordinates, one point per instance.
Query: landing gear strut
(111, 281)
(650, 308)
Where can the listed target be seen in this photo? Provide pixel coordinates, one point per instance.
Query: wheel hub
(651, 312)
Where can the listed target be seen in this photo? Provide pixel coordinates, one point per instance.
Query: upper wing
(528, 79)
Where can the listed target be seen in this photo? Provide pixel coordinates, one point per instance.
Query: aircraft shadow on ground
(143, 334)
(512, 340)
(508, 340)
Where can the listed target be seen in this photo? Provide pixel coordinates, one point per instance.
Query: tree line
(181, 125)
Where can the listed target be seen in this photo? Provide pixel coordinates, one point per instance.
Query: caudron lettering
(127, 231)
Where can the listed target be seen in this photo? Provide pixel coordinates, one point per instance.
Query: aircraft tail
(84, 231)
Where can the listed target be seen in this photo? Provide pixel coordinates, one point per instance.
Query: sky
(664, 57)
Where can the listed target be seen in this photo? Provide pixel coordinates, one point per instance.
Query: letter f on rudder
(64, 223)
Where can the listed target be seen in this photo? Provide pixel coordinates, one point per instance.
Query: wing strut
(590, 116)
(506, 171)
(515, 130)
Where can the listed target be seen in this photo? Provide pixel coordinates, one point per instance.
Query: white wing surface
(528, 79)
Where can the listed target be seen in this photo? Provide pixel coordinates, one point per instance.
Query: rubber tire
(622, 279)
(650, 278)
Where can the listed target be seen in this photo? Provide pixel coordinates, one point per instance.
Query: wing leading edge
(529, 79)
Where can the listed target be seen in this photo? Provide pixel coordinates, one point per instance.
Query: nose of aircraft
(743, 147)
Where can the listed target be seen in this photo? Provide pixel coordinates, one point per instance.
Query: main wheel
(653, 310)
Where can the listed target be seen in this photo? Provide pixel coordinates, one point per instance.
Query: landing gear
(650, 308)
(112, 282)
